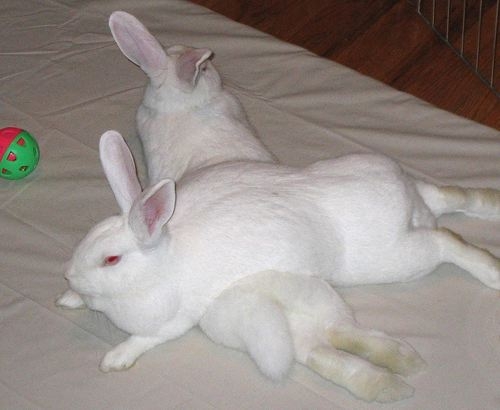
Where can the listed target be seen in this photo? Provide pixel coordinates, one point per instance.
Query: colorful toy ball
(19, 153)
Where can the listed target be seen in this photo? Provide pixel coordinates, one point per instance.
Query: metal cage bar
(466, 24)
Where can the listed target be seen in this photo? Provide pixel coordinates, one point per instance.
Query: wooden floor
(385, 39)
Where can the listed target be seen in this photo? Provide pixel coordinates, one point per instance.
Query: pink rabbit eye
(111, 260)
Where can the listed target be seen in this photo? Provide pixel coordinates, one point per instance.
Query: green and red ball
(19, 153)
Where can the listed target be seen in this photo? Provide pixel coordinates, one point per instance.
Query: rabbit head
(180, 77)
(118, 255)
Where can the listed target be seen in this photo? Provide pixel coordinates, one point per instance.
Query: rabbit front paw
(123, 356)
(117, 359)
(70, 300)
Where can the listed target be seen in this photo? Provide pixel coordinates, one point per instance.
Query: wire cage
(470, 28)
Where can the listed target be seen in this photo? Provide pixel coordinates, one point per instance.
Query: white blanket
(63, 78)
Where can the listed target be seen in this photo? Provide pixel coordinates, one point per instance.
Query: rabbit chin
(84, 288)
(138, 313)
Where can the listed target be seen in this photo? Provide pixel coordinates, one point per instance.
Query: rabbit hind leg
(478, 262)
(478, 202)
(360, 377)
(378, 348)
(422, 250)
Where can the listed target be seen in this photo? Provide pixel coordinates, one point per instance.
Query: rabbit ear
(189, 64)
(118, 165)
(137, 43)
(153, 211)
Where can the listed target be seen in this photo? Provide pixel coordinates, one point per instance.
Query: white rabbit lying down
(175, 254)
(187, 120)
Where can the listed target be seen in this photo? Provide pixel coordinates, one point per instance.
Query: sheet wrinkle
(17, 193)
(55, 313)
(366, 147)
(58, 60)
(340, 131)
(84, 8)
(49, 125)
(63, 46)
(387, 101)
(11, 307)
(57, 25)
(26, 52)
(63, 4)
(90, 101)
(26, 85)
(67, 135)
(26, 114)
(12, 389)
(315, 390)
(38, 229)
(14, 75)
(67, 53)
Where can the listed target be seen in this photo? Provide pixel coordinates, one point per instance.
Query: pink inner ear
(137, 43)
(186, 66)
(153, 211)
(119, 167)
(154, 208)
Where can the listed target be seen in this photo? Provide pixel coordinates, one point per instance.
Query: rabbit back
(315, 221)
(179, 142)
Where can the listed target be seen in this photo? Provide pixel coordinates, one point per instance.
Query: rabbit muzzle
(78, 282)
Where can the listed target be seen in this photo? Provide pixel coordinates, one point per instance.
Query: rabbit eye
(111, 260)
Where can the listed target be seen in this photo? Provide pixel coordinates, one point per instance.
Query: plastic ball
(19, 153)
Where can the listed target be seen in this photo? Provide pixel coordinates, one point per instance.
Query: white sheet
(63, 79)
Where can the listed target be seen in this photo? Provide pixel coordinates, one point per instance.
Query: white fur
(187, 120)
(277, 317)
(215, 246)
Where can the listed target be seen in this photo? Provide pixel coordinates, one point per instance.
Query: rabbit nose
(65, 268)
(68, 273)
